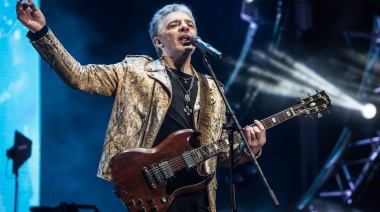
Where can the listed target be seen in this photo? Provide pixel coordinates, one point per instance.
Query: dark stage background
(104, 32)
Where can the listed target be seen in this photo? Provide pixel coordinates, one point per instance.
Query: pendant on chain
(187, 98)
(188, 110)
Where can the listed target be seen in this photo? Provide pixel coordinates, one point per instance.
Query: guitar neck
(270, 121)
(204, 152)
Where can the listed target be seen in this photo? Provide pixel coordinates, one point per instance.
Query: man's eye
(173, 25)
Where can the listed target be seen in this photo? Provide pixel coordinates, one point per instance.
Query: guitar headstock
(312, 104)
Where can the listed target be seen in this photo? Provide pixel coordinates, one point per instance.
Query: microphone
(205, 47)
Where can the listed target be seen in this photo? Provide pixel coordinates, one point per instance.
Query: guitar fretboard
(271, 121)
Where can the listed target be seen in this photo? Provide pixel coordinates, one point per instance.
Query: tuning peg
(301, 100)
(310, 97)
(318, 94)
(319, 115)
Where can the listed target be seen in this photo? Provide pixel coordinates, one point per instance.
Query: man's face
(174, 36)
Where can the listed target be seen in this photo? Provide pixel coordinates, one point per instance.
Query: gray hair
(155, 24)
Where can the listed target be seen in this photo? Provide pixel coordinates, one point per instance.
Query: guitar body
(151, 178)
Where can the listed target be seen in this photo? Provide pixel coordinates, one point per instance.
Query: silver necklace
(187, 109)
(183, 78)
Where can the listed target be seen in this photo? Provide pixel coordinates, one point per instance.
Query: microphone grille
(193, 39)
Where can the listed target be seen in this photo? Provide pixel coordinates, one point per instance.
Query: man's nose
(184, 26)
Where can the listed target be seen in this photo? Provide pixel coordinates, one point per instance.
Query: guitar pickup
(189, 159)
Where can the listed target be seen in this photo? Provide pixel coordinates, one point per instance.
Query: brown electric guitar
(149, 179)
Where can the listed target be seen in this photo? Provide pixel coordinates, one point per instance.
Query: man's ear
(157, 42)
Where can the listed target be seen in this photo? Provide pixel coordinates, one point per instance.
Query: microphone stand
(16, 192)
(236, 127)
(232, 165)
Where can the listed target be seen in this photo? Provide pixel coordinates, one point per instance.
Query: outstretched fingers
(22, 9)
(32, 5)
(18, 5)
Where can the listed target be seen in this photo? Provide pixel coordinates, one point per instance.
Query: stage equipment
(204, 47)
(352, 172)
(19, 153)
(64, 207)
(369, 111)
(248, 13)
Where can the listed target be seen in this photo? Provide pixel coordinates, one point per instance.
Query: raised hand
(30, 16)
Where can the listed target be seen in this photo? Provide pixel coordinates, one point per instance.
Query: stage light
(248, 13)
(368, 111)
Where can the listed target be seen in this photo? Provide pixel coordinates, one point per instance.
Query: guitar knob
(164, 200)
(150, 201)
(142, 209)
(154, 209)
(139, 202)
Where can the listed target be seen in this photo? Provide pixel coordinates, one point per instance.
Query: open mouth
(184, 40)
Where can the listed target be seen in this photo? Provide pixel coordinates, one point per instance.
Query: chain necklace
(187, 109)
(183, 78)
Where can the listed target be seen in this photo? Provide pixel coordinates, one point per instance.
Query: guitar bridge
(162, 172)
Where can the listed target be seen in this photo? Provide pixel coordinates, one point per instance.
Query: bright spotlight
(368, 111)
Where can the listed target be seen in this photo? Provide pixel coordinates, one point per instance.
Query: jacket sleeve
(92, 79)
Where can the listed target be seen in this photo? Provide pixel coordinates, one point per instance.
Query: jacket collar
(156, 70)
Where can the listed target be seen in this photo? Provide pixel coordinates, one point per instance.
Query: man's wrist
(37, 35)
(257, 154)
(244, 151)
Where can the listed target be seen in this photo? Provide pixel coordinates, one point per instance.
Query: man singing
(152, 98)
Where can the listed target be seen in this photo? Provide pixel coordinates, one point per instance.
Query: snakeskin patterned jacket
(142, 94)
